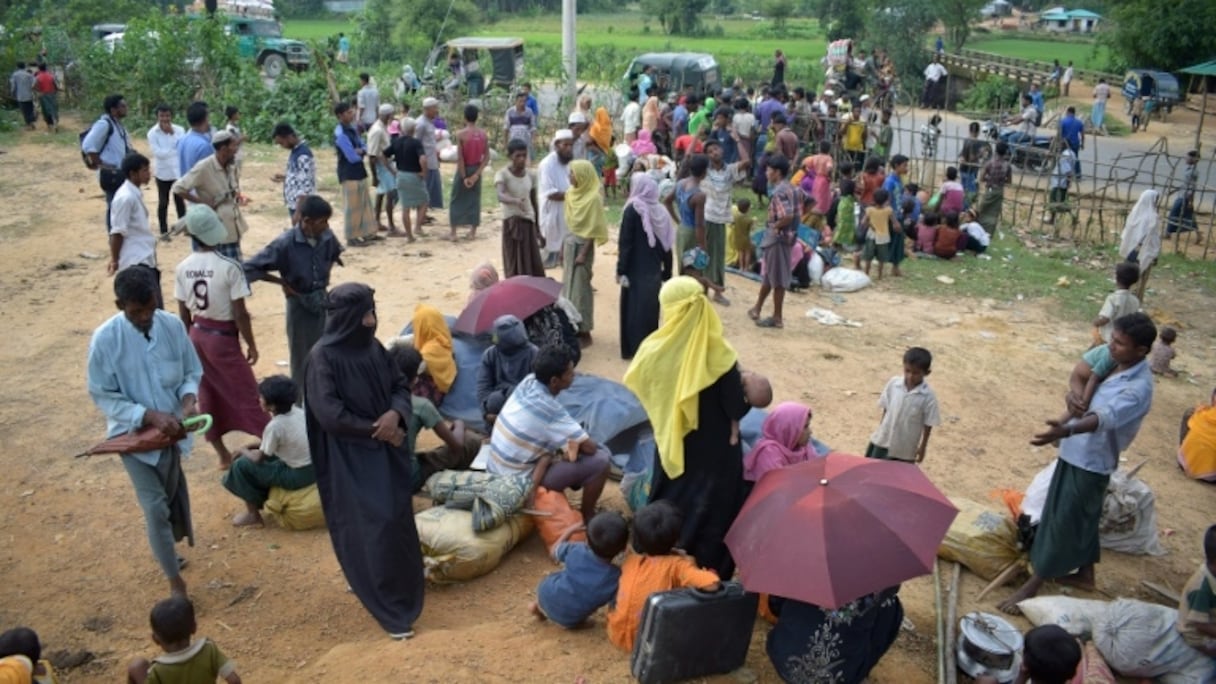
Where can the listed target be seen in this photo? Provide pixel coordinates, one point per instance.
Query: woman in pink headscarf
(785, 440)
(644, 260)
(643, 145)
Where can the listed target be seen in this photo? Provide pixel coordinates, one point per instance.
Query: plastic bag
(1138, 639)
(1129, 517)
(815, 268)
(1076, 616)
(982, 539)
(1036, 493)
(453, 552)
(561, 517)
(296, 509)
(842, 279)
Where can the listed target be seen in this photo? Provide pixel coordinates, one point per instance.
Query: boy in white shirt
(910, 412)
(131, 240)
(162, 140)
(977, 238)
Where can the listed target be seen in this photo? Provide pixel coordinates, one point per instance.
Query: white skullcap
(563, 134)
(430, 102)
(576, 118)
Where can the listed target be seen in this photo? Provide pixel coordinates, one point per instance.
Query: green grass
(1084, 55)
(626, 30)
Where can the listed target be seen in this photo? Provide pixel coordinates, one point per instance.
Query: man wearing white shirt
(162, 139)
(935, 74)
(132, 243)
(631, 117)
(1025, 122)
(1066, 79)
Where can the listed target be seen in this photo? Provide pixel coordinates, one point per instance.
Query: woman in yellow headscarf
(433, 340)
(687, 377)
(584, 206)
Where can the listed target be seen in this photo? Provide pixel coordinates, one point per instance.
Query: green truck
(262, 40)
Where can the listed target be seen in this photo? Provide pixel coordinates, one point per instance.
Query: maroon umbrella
(833, 529)
(148, 438)
(520, 296)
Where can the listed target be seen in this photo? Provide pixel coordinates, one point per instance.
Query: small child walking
(183, 662)
(654, 566)
(741, 225)
(589, 579)
(910, 412)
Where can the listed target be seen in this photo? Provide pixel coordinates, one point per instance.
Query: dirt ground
(75, 561)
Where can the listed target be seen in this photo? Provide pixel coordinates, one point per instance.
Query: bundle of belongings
(491, 498)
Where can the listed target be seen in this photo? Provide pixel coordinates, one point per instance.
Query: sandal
(753, 314)
(769, 322)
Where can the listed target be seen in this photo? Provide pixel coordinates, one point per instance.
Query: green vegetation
(1083, 55)
(1169, 37)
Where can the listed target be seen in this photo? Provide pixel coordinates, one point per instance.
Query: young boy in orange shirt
(653, 567)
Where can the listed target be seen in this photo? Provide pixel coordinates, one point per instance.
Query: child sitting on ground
(946, 244)
(977, 239)
(693, 264)
(281, 459)
(202, 661)
(741, 226)
(654, 566)
(926, 233)
(910, 412)
(1118, 303)
(21, 658)
(589, 579)
(460, 446)
(1197, 609)
(1163, 353)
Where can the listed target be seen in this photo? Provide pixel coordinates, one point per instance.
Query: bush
(991, 95)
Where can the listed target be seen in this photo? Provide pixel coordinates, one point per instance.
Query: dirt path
(76, 564)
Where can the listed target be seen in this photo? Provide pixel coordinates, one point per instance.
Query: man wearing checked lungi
(1066, 545)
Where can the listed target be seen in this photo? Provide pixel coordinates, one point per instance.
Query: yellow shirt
(855, 136)
(880, 224)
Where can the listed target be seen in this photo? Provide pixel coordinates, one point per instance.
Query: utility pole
(569, 50)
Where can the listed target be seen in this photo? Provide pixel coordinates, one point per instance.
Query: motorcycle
(1036, 156)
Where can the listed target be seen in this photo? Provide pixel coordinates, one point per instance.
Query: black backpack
(85, 133)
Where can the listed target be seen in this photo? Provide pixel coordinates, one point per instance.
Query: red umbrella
(520, 296)
(148, 438)
(833, 529)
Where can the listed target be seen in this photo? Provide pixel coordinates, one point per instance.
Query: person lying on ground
(460, 444)
(655, 565)
(281, 459)
(173, 625)
(589, 579)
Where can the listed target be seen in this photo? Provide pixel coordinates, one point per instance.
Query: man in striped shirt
(535, 434)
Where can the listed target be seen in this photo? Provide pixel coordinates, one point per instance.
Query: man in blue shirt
(105, 146)
(526, 89)
(1067, 536)
(143, 372)
(195, 146)
(1036, 97)
(1072, 130)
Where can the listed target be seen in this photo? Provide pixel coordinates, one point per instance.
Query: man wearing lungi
(143, 371)
(210, 290)
(1066, 545)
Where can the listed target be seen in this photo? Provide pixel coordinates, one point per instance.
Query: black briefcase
(689, 633)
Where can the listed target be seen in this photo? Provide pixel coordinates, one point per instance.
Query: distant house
(996, 8)
(1061, 20)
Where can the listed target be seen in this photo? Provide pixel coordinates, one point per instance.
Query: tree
(957, 16)
(843, 18)
(780, 12)
(902, 28)
(677, 17)
(1168, 37)
(392, 29)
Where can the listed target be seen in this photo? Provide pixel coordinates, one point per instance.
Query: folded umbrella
(520, 296)
(831, 530)
(148, 438)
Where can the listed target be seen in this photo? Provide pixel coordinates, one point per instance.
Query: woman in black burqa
(357, 406)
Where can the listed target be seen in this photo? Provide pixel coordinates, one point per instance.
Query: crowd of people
(348, 416)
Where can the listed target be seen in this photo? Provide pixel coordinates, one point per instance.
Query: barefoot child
(460, 446)
(1197, 609)
(910, 412)
(654, 566)
(282, 458)
(183, 662)
(589, 579)
(876, 224)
